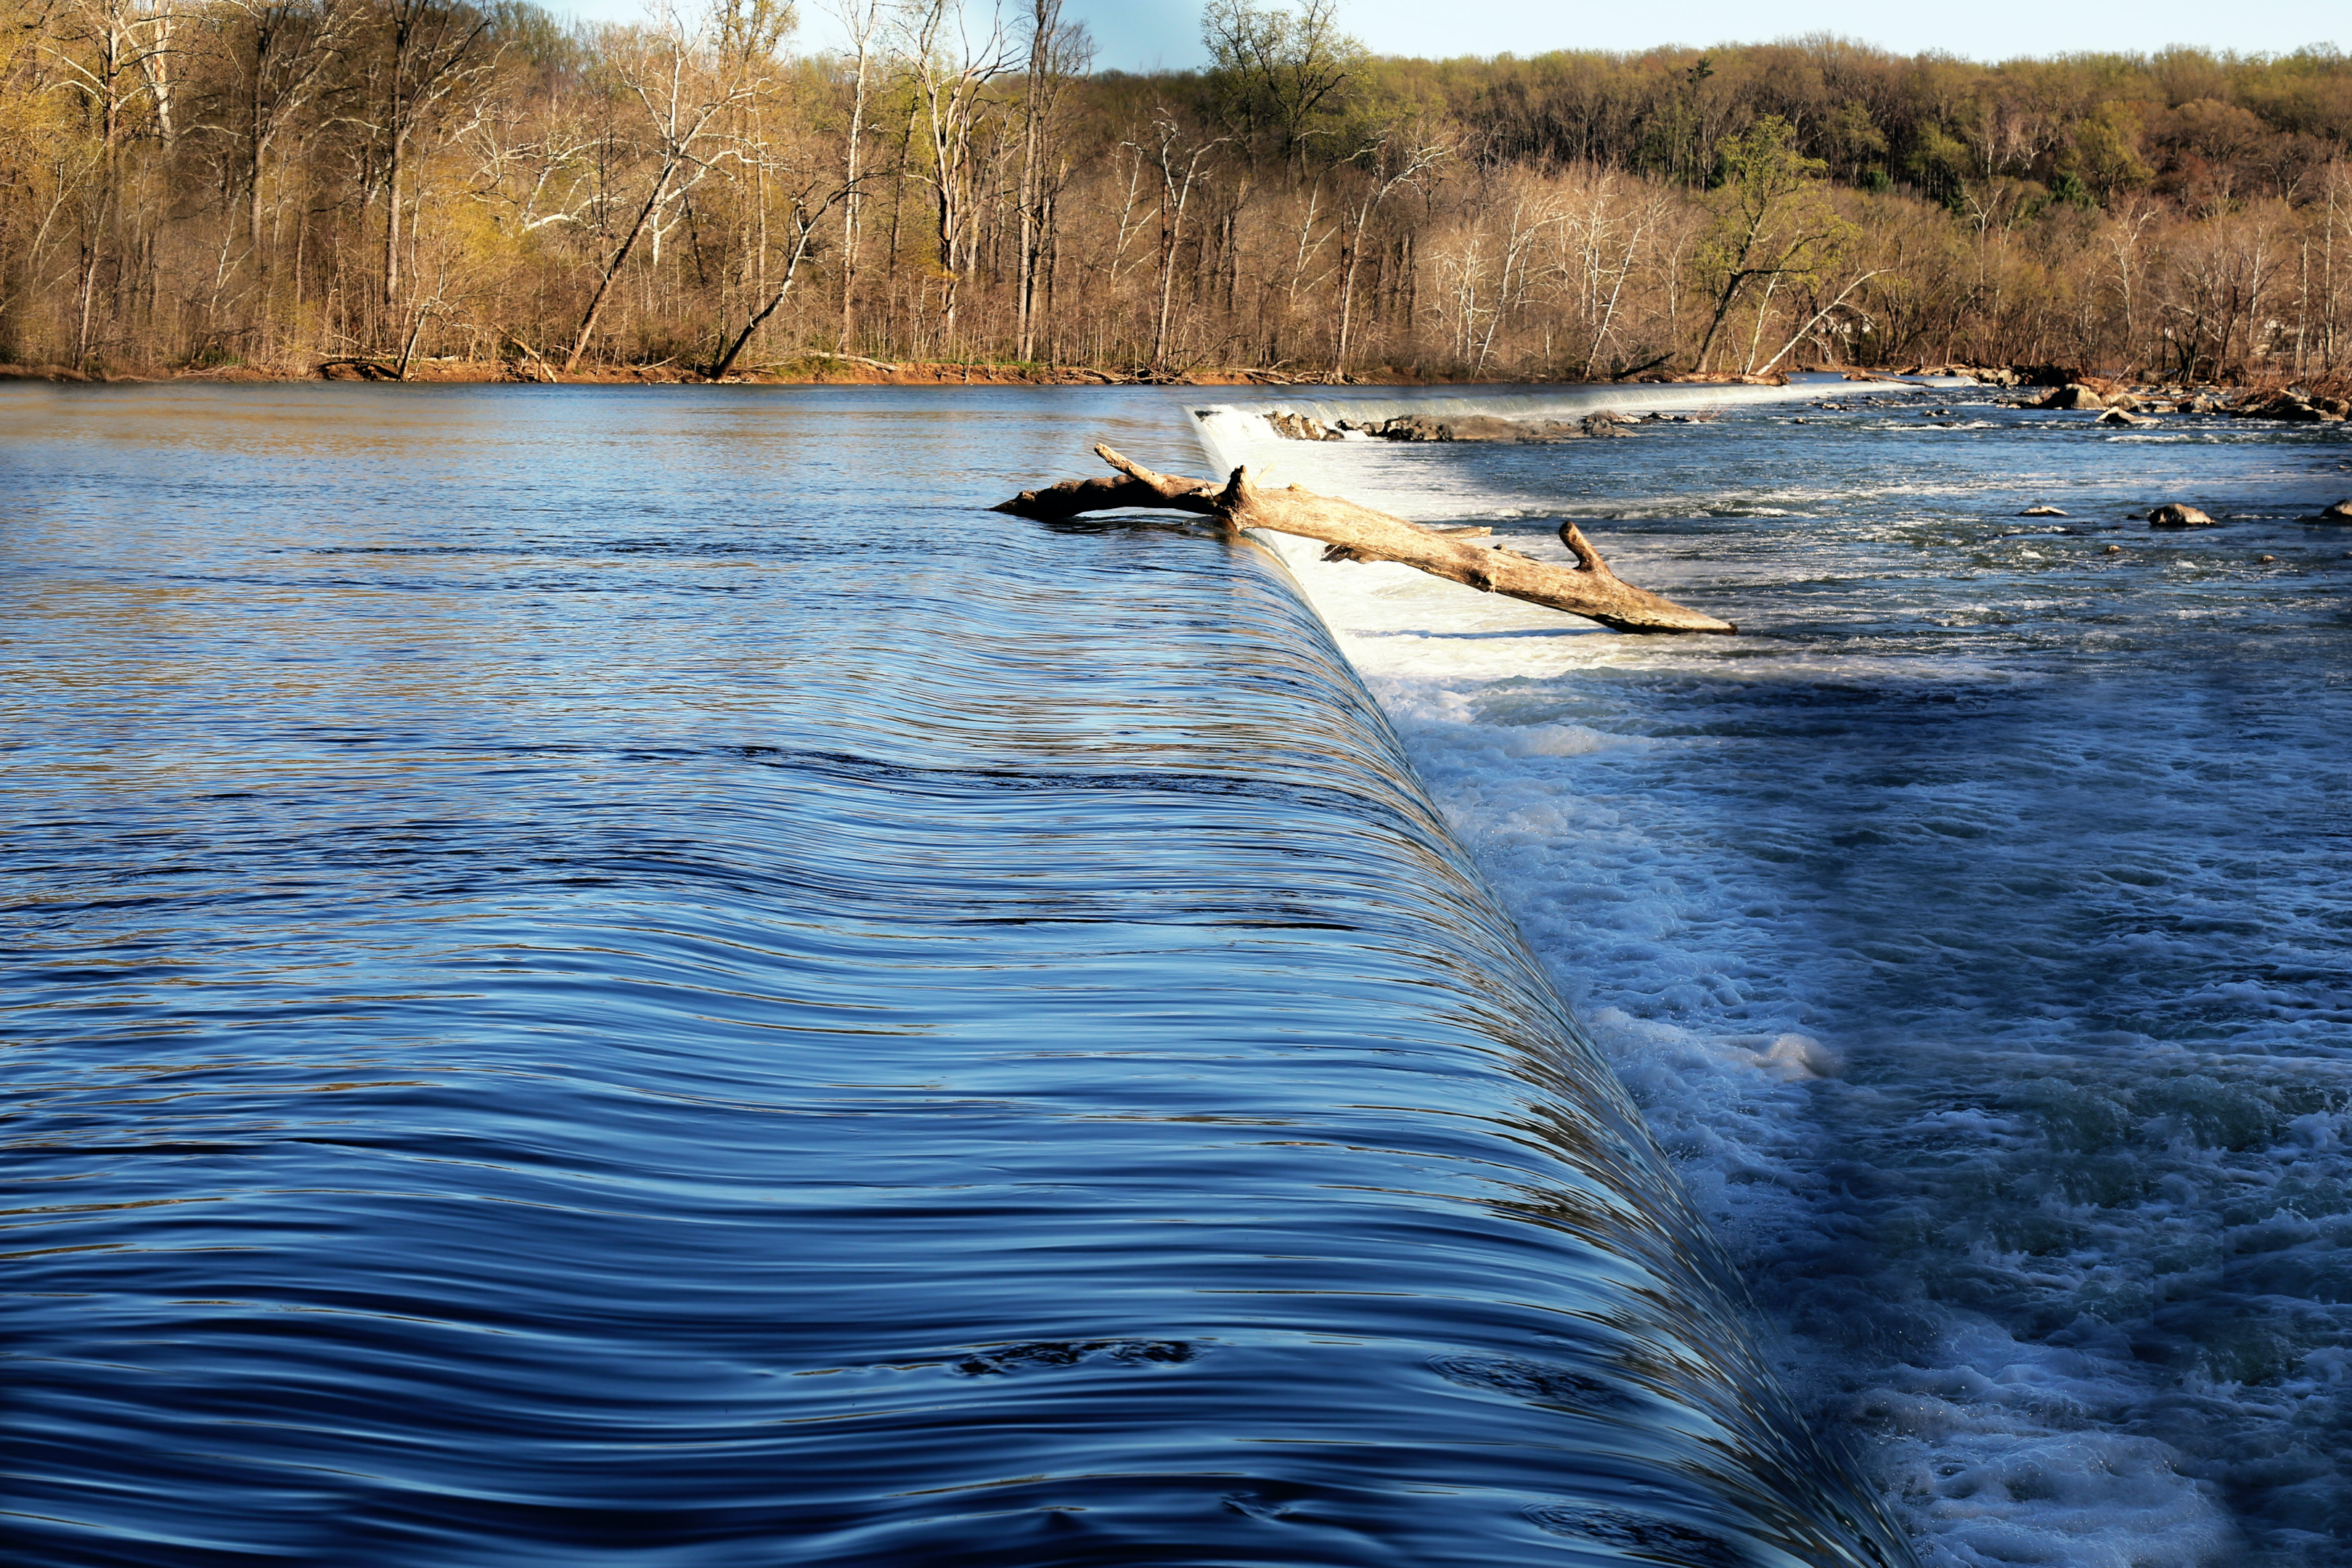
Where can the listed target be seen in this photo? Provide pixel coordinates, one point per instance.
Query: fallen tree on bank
(1356, 532)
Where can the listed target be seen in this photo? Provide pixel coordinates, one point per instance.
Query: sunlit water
(1975, 931)
(605, 975)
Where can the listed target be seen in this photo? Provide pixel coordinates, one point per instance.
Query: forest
(389, 186)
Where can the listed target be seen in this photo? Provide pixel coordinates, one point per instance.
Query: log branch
(1354, 532)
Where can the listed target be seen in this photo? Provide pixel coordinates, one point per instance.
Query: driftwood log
(1356, 532)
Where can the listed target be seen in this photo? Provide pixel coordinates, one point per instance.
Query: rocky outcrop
(1413, 428)
(2172, 514)
(2118, 416)
(1485, 427)
(2073, 394)
(2042, 511)
(1302, 428)
(2296, 407)
(2339, 513)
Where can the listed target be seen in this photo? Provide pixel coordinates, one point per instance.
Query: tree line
(277, 184)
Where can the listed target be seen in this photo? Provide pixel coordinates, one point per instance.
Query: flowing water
(1974, 932)
(603, 976)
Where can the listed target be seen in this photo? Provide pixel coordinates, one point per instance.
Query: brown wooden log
(1359, 533)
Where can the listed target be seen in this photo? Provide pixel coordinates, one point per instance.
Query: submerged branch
(1359, 533)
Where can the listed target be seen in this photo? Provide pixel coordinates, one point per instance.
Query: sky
(1144, 35)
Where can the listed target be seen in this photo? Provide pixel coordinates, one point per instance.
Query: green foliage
(1772, 223)
(2106, 149)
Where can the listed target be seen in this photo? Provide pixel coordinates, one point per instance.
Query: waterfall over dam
(607, 977)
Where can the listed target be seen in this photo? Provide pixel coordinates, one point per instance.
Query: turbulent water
(604, 975)
(1975, 931)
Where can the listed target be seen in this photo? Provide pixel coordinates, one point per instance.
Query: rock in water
(2073, 395)
(2042, 511)
(2172, 514)
(2340, 512)
(1302, 428)
(1486, 427)
(2291, 406)
(2118, 416)
(1476, 427)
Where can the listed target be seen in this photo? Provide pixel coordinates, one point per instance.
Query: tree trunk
(1357, 533)
(392, 224)
(612, 270)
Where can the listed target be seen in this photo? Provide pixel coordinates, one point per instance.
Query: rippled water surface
(607, 976)
(1975, 931)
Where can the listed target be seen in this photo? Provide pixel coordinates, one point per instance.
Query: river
(626, 974)
(1975, 930)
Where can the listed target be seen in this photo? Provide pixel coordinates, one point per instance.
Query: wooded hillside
(274, 183)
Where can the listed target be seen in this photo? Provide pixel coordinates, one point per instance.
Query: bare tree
(281, 57)
(862, 18)
(809, 204)
(1056, 52)
(434, 46)
(1396, 158)
(951, 95)
(683, 80)
(1181, 170)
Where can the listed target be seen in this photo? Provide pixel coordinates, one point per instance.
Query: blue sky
(1136, 35)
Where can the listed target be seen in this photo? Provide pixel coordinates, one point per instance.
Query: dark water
(1975, 931)
(604, 975)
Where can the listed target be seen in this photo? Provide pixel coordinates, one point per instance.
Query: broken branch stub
(1357, 533)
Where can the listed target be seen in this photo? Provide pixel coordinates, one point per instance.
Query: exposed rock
(1485, 427)
(2042, 511)
(2341, 512)
(2119, 417)
(2265, 560)
(2172, 514)
(1302, 428)
(2291, 406)
(2113, 550)
(1411, 427)
(2073, 394)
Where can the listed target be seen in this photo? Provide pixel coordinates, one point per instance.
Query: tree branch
(1589, 588)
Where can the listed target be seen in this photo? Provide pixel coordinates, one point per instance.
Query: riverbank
(812, 369)
(822, 369)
